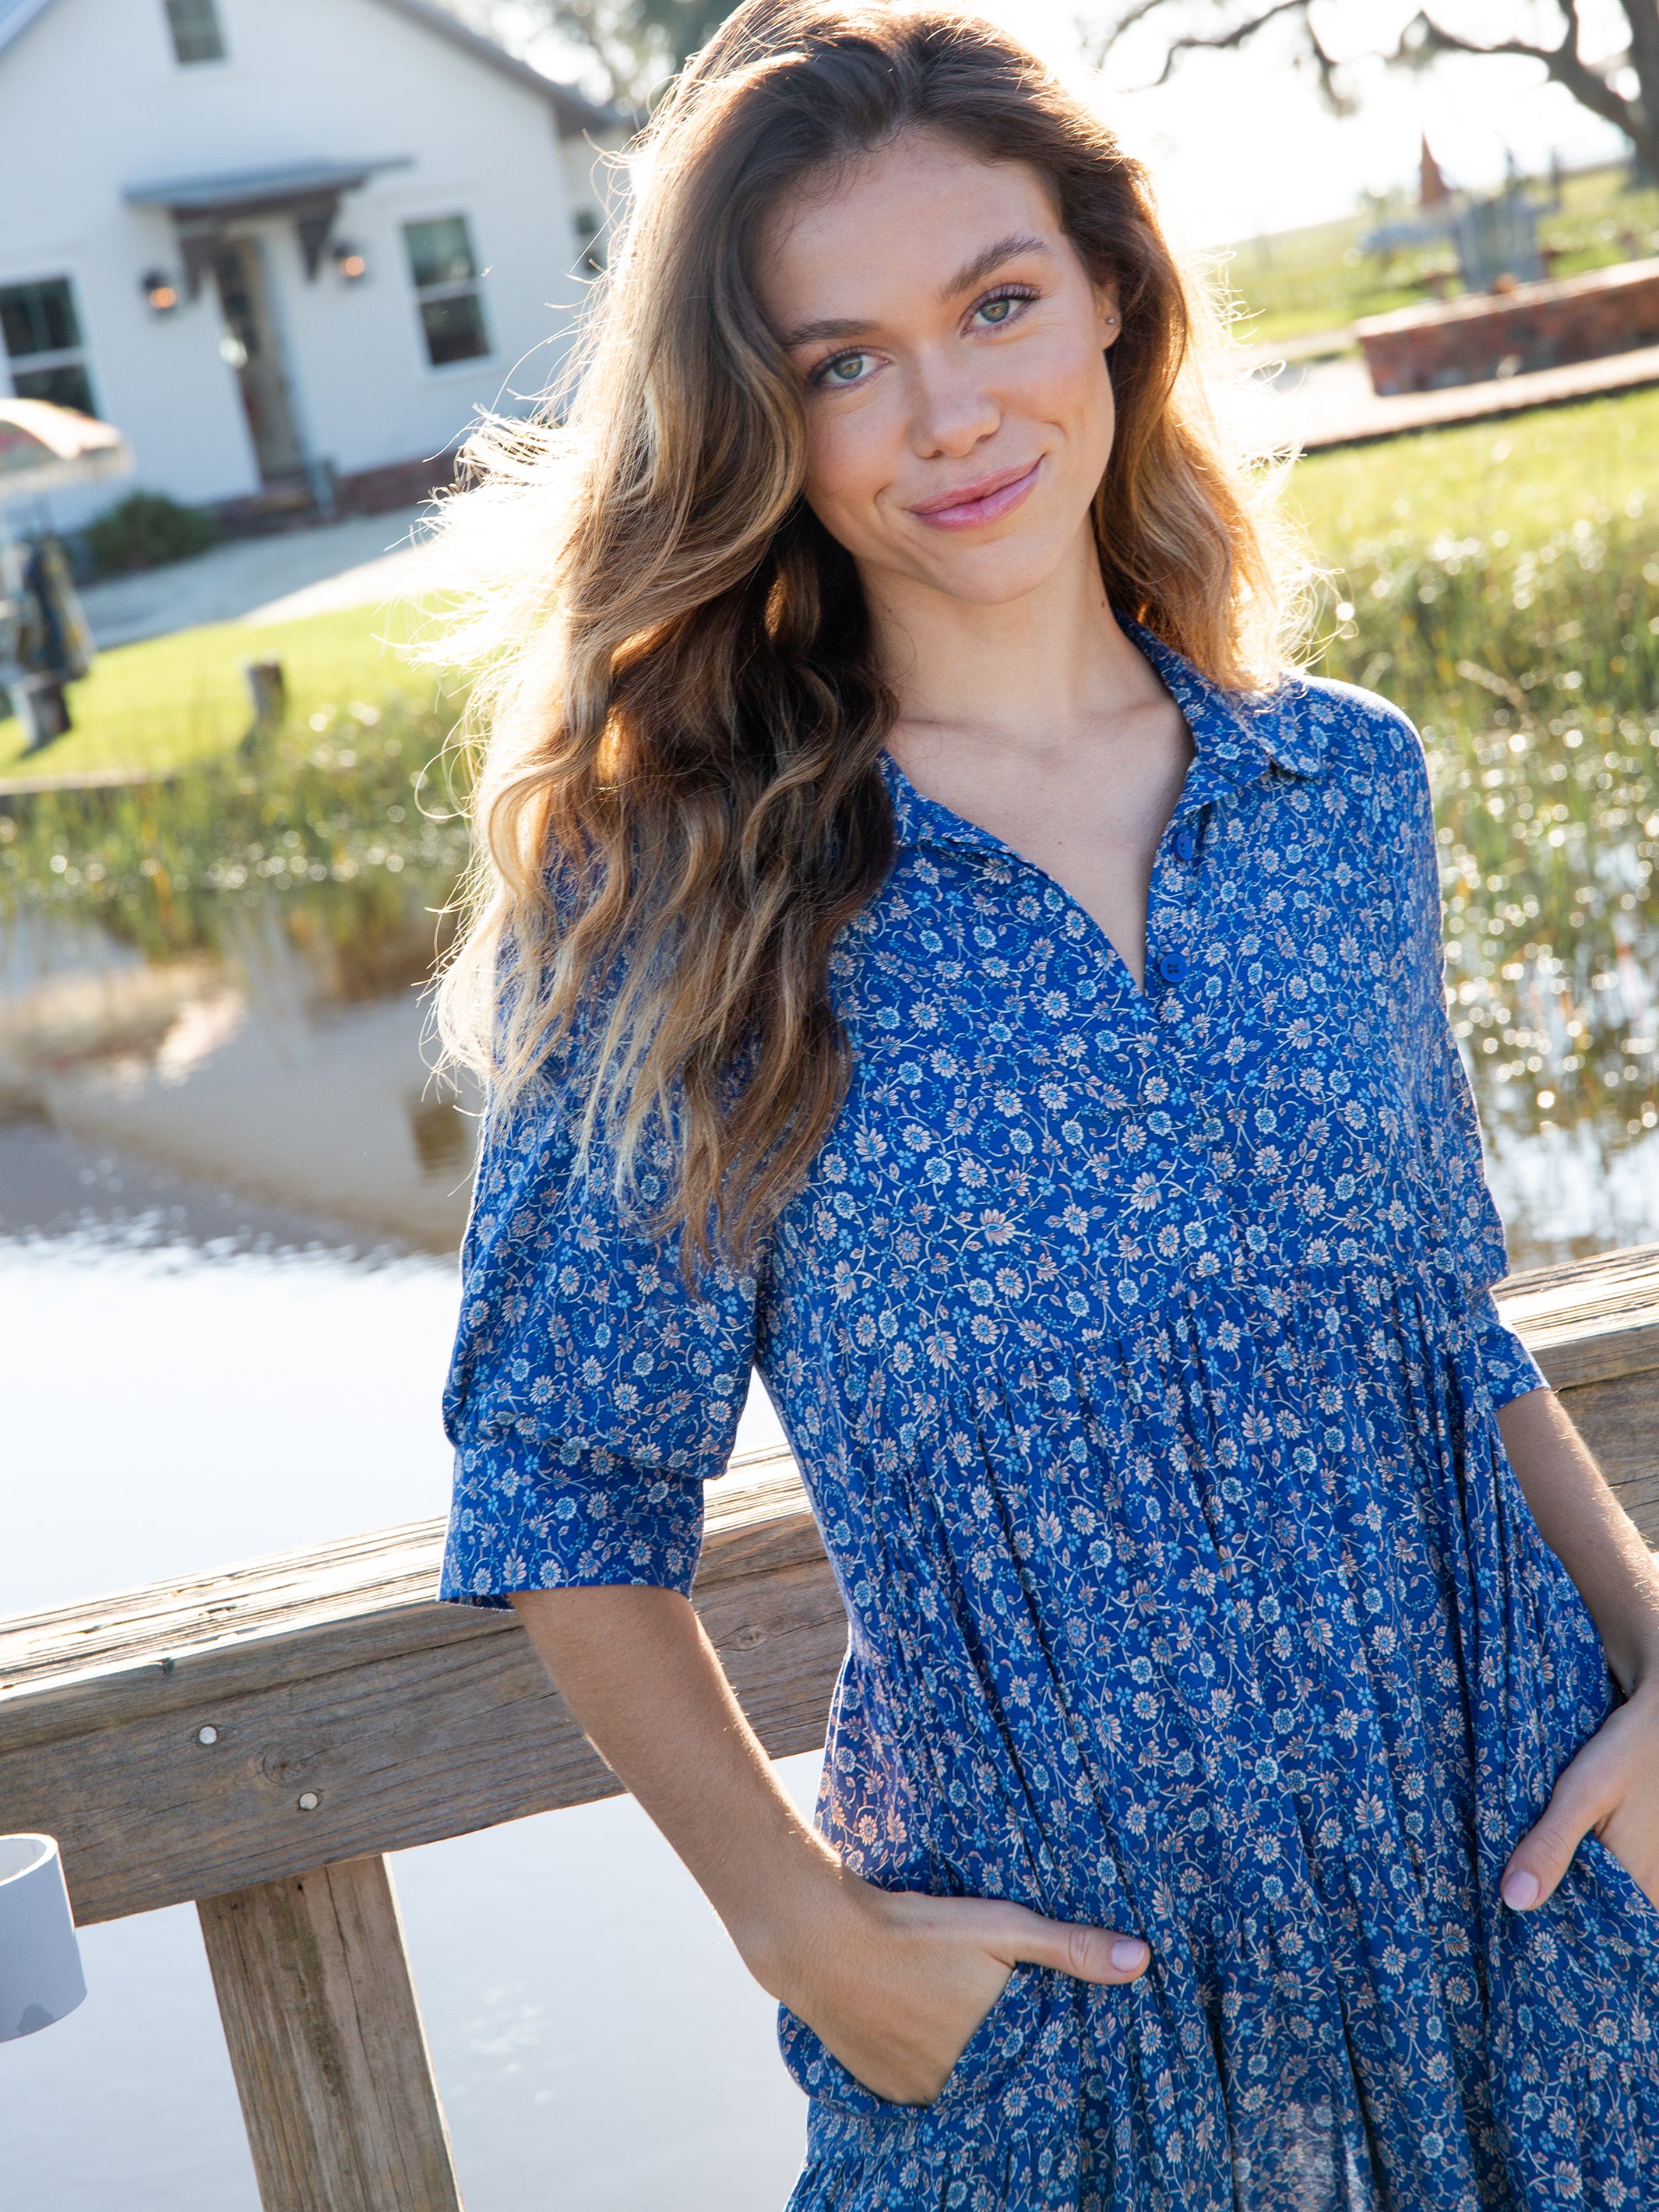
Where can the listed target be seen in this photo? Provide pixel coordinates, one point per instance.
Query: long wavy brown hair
(680, 805)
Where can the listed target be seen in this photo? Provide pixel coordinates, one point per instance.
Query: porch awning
(308, 193)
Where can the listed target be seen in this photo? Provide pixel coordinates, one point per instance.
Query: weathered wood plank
(757, 1520)
(326, 2045)
(1590, 1320)
(1618, 1419)
(378, 1720)
(1593, 1326)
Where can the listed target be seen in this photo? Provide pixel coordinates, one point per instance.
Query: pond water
(229, 1199)
(230, 1194)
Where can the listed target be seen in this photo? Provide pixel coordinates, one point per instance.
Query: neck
(1034, 675)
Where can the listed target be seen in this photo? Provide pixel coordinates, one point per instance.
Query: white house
(288, 247)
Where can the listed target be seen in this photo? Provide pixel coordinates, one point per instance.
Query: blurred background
(261, 263)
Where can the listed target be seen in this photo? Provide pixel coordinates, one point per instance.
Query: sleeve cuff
(1510, 1370)
(529, 1515)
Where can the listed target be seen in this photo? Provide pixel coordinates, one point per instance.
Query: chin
(992, 576)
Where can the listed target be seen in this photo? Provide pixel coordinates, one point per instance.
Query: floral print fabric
(1137, 1349)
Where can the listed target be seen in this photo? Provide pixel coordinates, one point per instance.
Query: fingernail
(1127, 1952)
(1521, 1890)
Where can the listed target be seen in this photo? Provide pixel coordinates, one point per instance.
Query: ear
(1106, 312)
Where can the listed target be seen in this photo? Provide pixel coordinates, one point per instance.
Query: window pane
(68, 386)
(196, 36)
(440, 252)
(38, 318)
(455, 329)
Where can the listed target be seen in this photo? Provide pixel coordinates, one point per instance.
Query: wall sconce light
(161, 293)
(349, 261)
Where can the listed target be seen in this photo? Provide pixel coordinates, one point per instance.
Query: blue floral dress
(1137, 1349)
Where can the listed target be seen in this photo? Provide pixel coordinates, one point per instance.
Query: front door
(250, 345)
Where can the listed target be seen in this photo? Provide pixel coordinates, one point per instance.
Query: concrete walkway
(1330, 403)
(357, 563)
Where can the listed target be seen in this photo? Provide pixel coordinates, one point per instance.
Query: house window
(197, 34)
(588, 226)
(446, 278)
(43, 343)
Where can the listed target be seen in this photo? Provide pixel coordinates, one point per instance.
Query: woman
(927, 947)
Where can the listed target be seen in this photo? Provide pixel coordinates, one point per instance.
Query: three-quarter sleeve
(592, 1389)
(1448, 1127)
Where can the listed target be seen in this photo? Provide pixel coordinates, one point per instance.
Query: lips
(986, 499)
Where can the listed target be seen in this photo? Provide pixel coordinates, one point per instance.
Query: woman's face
(953, 349)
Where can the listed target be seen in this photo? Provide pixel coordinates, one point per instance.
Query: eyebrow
(990, 258)
(983, 265)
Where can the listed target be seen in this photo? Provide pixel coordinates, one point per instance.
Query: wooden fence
(257, 1739)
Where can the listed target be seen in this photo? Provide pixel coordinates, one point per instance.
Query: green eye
(848, 368)
(997, 311)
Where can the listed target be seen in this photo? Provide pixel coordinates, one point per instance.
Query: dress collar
(1239, 733)
(1238, 737)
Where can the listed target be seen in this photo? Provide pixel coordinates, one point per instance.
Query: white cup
(40, 1977)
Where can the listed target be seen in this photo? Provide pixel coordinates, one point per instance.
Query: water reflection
(283, 1057)
(286, 1063)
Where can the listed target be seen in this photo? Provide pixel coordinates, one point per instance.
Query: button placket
(1171, 908)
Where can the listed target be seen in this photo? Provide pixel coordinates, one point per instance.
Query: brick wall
(378, 491)
(1507, 333)
(291, 502)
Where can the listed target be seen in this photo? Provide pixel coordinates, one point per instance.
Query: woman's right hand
(894, 1982)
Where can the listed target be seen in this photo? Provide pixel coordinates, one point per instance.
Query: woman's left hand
(1611, 1789)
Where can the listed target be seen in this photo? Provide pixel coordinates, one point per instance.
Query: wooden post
(326, 2044)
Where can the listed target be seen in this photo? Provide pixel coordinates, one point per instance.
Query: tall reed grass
(353, 809)
(1530, 660)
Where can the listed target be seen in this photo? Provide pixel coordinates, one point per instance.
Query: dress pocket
(1000, 2046)
(1638, 1915)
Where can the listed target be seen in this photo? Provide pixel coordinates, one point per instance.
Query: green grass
(1530, 477)
(173, 701)
(1300, 281)
(351, 822)
(347, 811)
(1602, 221)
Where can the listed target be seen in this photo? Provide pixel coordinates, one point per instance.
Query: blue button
(1171, 967)
(1185, 844)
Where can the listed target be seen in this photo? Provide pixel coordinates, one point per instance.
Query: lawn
(1530, 477)
(1516, 487)
(351, 800)
(1300, 281)
(174, 701)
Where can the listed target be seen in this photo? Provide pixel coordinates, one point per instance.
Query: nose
(951, 412)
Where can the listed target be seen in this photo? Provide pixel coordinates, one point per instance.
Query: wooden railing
(256, 1740)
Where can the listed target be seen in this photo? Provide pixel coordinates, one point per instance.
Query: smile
(974, 504)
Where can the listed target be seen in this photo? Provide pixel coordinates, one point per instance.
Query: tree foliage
(626, 49)
(1621, 88)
